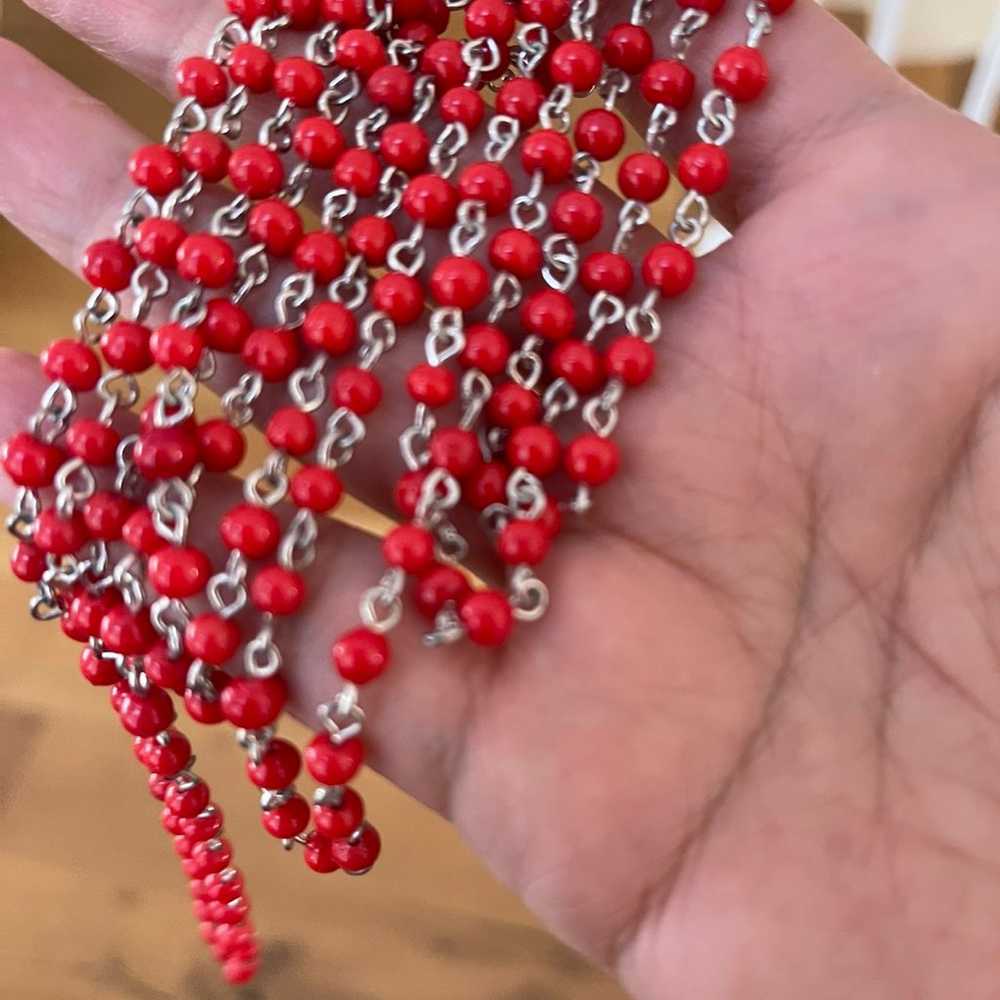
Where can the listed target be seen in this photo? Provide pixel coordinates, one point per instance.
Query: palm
(761, 709)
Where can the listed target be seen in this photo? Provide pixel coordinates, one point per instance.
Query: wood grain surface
(93, 905)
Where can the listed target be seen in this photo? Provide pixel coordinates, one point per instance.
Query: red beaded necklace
(103, 511)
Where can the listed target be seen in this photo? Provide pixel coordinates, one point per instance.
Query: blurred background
(94, 906)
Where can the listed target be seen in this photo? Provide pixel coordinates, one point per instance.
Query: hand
(751, 751)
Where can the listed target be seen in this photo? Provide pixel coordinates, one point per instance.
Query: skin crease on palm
(753, 749)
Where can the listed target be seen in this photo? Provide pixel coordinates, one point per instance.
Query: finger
(146, 37)
(824, 82)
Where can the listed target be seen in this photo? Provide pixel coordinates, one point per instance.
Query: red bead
(521, 98)
(405, 145)
(277, 590)
(579, 364)
(252, 67)
(330, 327)
(156, 168)
(273, 352)
(167, 671)
(179, 571)
(576, 63)
(433, 385)
(226, 326)
(628, 47)
(339, 821)
(742, 73)
(317, 854)
(210, 856)
(71, 362)
(350, 13)
(606, 272)
(238, 972)
(487, 617)
(779, 7)
(360, 655)
(359, 171)
(552, 13)
(578, 215)
(299, 80)
(304, 14)
(400, 297)
(669, 268)
(318, 141)
(158, 786)
(139, 533)
(220, 445)
(488, 485)
(254, 702)
(420, 32)
(316, 488)
(392, 87)
(371, 236)
(291, 430)
(549, 313)
(523, 542)
(536, 448)
(147, 714)
(488, 183)
(437, 587)
(203, 80)
(59, 536)
(704, 168)
(187, 800)
(165, 453)
(125, 346)
(176, 346)
(456, 450)
(105, 514)
(486, 348)
(631, 359)
(547, 151)
(516, 251)
(512, 405)
(27, 562)
(490, 19)
(432, 200)
(356, 389)
(224, 886)
(591, 459)
(287, 820)
(277, 225)
(643, 176)
(256, 171)
(278, 767)
(234, 914)
(443, 60)
(30, 462)
(332, 763)
(211, 638)
(669, 82)
(406, 494)
(600, 133)
(158, 240)
(207, 155)
(203, 707)
(464, 105)
(254, 531)
(107, 264)
(249, 11)
(127, 632)
(459, 281)
(166, 755)
(208, 260)
(410, 548)
(357, 855)
(361, 51)
(97, 670)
